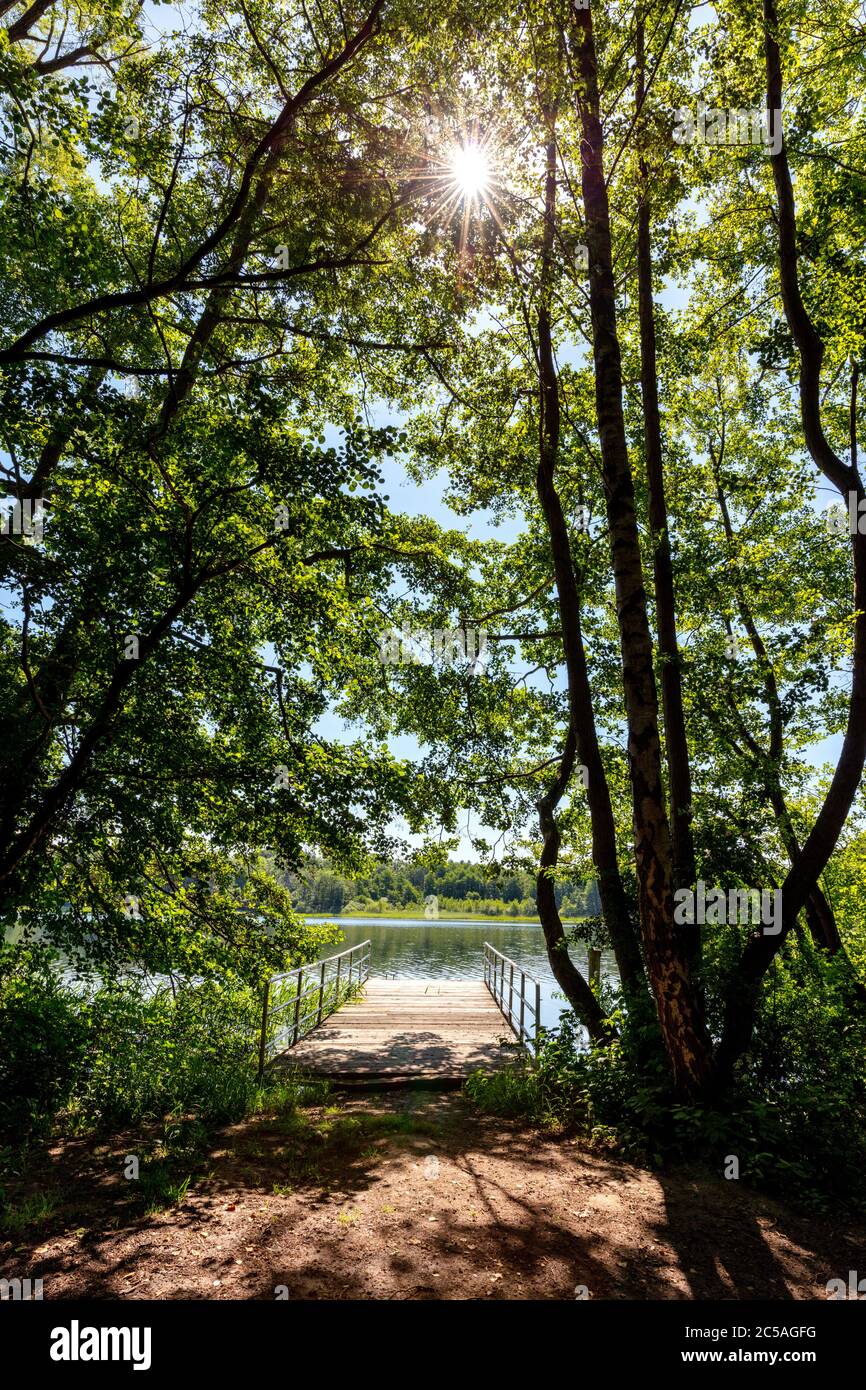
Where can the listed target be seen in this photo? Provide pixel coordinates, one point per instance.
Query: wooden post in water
(264, 1033)
(594, 968)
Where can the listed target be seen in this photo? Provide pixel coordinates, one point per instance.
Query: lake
(406, 948)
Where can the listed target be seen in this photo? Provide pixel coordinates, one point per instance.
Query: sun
(470, 169)
(460, 178)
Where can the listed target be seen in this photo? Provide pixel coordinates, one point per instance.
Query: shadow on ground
(414, 1195)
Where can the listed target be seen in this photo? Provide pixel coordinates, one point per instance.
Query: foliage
(215, 534)
(124, 1053)
(458, 883)
(795, 1119)
(45, 1040)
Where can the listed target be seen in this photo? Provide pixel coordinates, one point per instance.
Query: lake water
(411, 949)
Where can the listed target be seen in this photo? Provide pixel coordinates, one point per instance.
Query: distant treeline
(458, 886)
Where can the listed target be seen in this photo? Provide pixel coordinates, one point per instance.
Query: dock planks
(413, 1029)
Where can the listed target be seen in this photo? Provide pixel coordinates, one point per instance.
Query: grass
(514, 1092)
(161, 1189)
(174, 1154)
(30, 1211)
(329, 1140)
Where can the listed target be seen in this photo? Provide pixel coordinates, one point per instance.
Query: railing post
(494, 978)
(321, 993)
(263, 1038)
(522, 1003)
(318, 1011)
(299, 987)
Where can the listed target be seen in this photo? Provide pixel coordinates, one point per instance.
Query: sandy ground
(415, 1196)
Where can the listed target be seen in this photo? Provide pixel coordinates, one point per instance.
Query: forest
(431, 446)
(457, 887)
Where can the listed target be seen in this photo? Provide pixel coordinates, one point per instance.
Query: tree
(210, 563)
(281, 241)
(527, 404)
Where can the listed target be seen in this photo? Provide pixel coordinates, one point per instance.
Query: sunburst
(471, 170)
(462, 180)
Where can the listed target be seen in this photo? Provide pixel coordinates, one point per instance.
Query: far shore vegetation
(456, 891)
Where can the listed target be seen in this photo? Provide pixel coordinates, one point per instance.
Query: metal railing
(308, 994)
(508, 983)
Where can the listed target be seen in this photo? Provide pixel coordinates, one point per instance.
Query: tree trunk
(743, 992)
(676, 745)
(582, 736)
(680, 1016)
(575, 988)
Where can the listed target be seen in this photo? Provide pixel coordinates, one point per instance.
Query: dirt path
(414, 1195)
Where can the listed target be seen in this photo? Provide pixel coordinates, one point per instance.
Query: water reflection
(414, 949)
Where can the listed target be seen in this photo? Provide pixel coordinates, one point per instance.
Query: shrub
(795, 1118)
(187, 1049)
(45, 1034)
(116, 1055)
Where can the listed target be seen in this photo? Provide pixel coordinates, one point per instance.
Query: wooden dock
(413, 1030)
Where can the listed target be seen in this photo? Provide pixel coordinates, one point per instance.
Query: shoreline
(404, 916)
